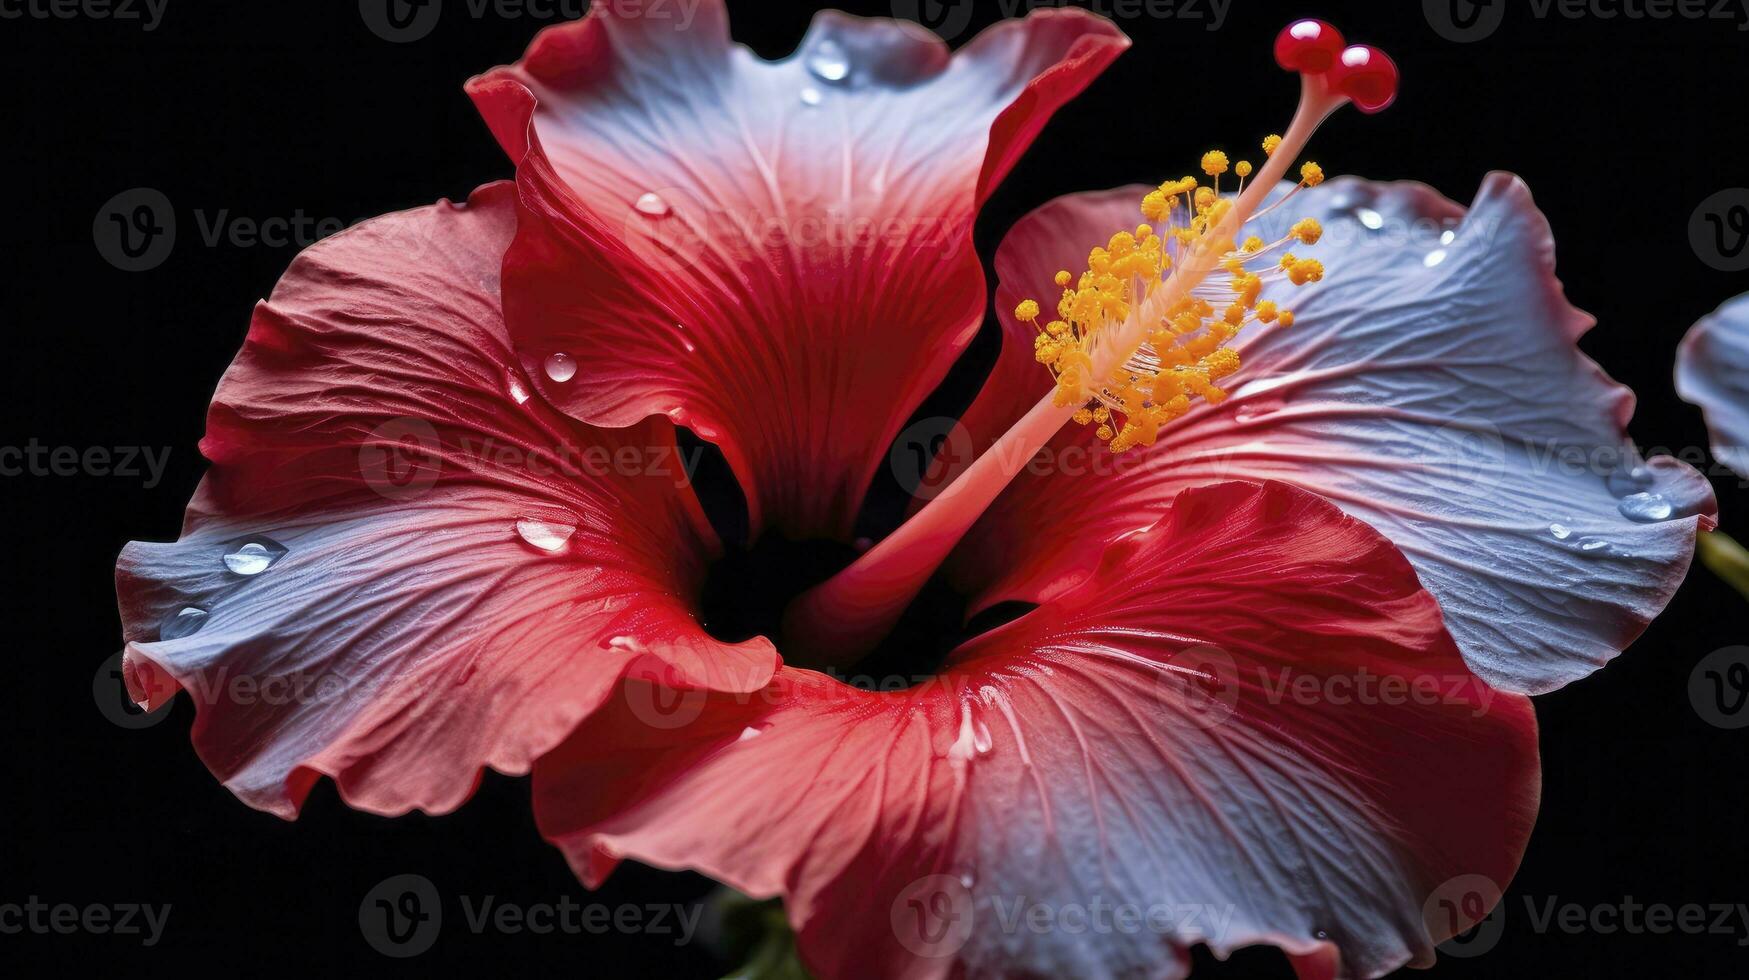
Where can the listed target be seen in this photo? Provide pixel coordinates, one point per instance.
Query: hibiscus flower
(447, 524)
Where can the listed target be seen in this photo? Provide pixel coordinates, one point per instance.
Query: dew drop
(561, 367)
(254, 556)
(653, 205)
(1561, 531)
(750, 732)
(517, 392)
(1592, 545)
(828, 61)
(1448, 237)
(968, 877)
(548, 536)
(187, 622)
(1434, 258)
(1647, 508)
(1371, 219)
(811, 96)
(685, 341)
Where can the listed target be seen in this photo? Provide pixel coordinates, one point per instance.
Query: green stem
(1727, 559)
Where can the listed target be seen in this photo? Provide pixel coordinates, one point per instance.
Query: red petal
(777, 255)
(446, 573)
(1079, 755)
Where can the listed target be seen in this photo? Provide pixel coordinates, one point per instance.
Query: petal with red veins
(402, 567)
(1431, 386)
(1189, 736)
(1712, 371)
(775, 254)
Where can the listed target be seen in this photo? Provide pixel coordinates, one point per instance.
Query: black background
(275, 109)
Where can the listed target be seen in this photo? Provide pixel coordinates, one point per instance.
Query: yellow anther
(1304, 271)
(1168, 364)
(1308, 230)
(1270, 144)
(1221, 363)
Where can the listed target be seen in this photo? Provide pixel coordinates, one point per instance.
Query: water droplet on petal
(549, 536)
(254, 556)
(561, 367)
(968, 877)
(653, 205)
(811, 96)
(1561, 531)
(1370, 219)
(517, 391)
(1647, 508)
(1448, 237)
(187, 622)
(1592, 545)
(750, 732)
(1434, 258)
(828, 61)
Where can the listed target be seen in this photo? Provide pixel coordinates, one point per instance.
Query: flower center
(1139, 337)
(1133, 363)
